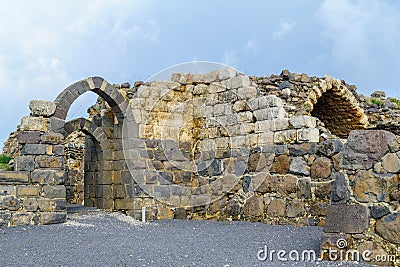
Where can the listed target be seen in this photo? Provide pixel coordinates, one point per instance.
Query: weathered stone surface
(302, 149)
(56, 191)
(14, 177)
(364, 148)
(4, 219)
(395, 194)
(42, 108)
(34, 124)
(53, 217)
(49, 162)
(287, 184)
(303, 121)
(369, 187)
(391, 163)
(304, 188)
(281, 164)
(308, 135)
(180, 214)
(233, 209)
(331, 147)
(276, 208)
(52, 138)
(340, 191)
(28, 137)
(269, 183)
(342, 218)
(321, 168)
(27, 191)
(319, 209)
(323, 190)
(30, 204)
(24, 163)
(298, 166)
(23, 218)
(379, 211)
(34, 149)
(389, 227)
(254, 207)
(296, 208)
(10, 203)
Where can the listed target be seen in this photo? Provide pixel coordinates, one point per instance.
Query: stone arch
(336, 106)
(98, 152)
(95, 84)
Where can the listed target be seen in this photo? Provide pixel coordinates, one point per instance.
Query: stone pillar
(42, 151)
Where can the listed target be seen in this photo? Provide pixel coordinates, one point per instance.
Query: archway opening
(339, 115)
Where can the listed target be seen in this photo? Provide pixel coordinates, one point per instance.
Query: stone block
(266, 138)
(162, 192)
(364, 148)
(49, 162)
(276, 208)
(23, 218)
(28, 137)
(304, 188)
(247, 92)
(24, 163)
(238, 81)
(370, 187)
(278, 124)
(389, 227)
(7, 190)
(285, 137)
(124, 204)
(254, 207)
(391, 163)
(287, 184)
(269, 101)
(49, 177)
(42, 108)
(303, 149)
(10, 203)
(58, 150)
(5, 219)
(30, 204)
(298, 166)
(321, 168)
(331, 147)
(308, 135)
(34, 149)
(14, 177)
(53, 217)
(351, 219)
(295, 208)
(52, 138)
(27, 191)
(56, 191)
(379, 211)
(340, 191)
(39, 124)
(303, 121)
(281, 164)
(269, 113)
(226, 73)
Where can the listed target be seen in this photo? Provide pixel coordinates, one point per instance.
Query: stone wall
(35, 193)
(221, 146)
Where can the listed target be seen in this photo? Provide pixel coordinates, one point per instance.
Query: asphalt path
(98, 238)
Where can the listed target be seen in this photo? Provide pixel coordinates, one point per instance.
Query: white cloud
(356, 30)
(284, 28)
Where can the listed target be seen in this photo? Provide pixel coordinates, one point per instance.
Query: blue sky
(47, 45)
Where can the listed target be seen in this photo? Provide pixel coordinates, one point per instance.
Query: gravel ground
(96, 238)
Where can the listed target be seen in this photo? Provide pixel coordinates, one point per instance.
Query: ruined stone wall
(221, 146)
(35, 193)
